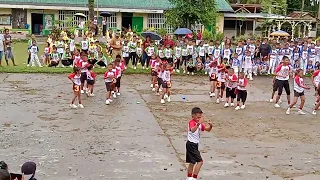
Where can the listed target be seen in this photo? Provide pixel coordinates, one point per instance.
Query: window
(5, 19)
(112, 21)
(64, 15)
(158, 21)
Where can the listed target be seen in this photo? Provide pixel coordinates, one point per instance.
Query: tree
(91, 9)
(274, 6)
(186, 12)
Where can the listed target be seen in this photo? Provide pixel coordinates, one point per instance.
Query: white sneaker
(232, 105)
(107, 102)
(157, 94)
(143, 67)
(73, 106)
(279, 101)
(205, 72)
(114, 95)
(250, 79)
(28, 65)
(169, 99)
(82, 91)
(165, 96)
(162, 101)
(212, 95)
(288, 111)
(153, 89)
(226, 105)
(276, 105)
(188, 73)
(221, 99)
(178, 71)
(160, 90)
(81, 106)
(243, 106)
(135, 67)
(218, 101)
(271, 100)
(110, 100)
(314, 112)
(147, 68)
(118, 94)
(184, 71)
(151, 85)
(237, 108)
(91, 95)
(192, 73)
(301, 112)
(40, 66)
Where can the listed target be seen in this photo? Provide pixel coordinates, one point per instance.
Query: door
(137, 24)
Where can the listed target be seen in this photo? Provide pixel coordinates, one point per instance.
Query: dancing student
(75, 79)
(241, 91)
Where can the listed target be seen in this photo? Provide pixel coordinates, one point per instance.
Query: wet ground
(138, 138)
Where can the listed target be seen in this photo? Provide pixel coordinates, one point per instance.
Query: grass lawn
(21, 57)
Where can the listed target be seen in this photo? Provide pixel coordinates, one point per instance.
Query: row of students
(83, 79)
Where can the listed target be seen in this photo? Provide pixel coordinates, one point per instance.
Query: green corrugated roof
(222, 5)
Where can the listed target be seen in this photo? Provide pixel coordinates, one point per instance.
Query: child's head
(199, 59)
(285, 60)
(84, 57)
(248, 53)
(117, 61)
(196, 113)
(310, 62)
(235, 55)
(126, 42)
(67, 50)
(226, 46)
(297, 62)
(118, 57)
(201, 43)
(299, 72)
(100, 54)
(211, 43)
(239, 43)
(241, 75)
(110, 67)
(153, 56)
(47, 44)
(230, 71)
(225, 60)
(168, 46)
(72, 36)
(76, 52)
(54, 49)
(77, 70)
(207, 59)
(190, 60)
(34, 42)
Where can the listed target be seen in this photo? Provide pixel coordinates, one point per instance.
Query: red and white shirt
(108, 76)
(213, 72)
(283, 71)
(153, 63)
(166, 76)
(75, 78)
(194, 136)
(77, 60)
(232, 81)
(83, 66)
(316, 77)
(91, 75)
(222, 75)
(242, 82)
(119, 71)
(298, 81)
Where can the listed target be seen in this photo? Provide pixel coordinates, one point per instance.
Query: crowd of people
(28, 172)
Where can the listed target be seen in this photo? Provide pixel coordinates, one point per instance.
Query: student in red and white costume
(76, 83)
(166, 81)
(109, 79)
(241, 91)
(91, 78)
(116, 72)
(154, 64)
(232, 80)
(76, 58)
(299, 88)
(83, 64)
(213, 75)
(282, 74)
(316, 83)
(221, 80)
(159, 78)
(120, 68)
(193, 156)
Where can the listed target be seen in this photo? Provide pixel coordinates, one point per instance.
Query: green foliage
(207, 35)
(274, 6)
(186, 12)
(219, 36)
(162, 31)
(91, 9)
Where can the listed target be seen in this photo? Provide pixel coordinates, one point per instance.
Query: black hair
(196, 110)
(76, 69)
(3, 165)
(118, 56)
(90, 67)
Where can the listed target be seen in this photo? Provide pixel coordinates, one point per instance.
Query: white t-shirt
(1, 42)
(284, 71)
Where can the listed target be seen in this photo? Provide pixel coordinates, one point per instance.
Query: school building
(38, 16)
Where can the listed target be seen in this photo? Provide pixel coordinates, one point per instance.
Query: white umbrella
(80, 15)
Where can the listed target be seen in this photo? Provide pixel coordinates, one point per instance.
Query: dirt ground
(139, 138)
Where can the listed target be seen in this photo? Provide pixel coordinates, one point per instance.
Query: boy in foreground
(193, 157)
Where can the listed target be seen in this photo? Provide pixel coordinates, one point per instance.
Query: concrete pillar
(309, 29)
(304, 30)
(292, 30)
(119, 20)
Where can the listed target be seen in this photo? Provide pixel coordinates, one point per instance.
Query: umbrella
(183, 31)
(279, 33)
(152, 35)
(80, 15)
(105, 14)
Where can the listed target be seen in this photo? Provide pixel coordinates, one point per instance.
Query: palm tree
(91, 9)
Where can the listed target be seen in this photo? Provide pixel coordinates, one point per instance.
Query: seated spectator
(190, 67)
(4, 174)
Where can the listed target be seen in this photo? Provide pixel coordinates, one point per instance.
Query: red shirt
(169, 42)
(145, 44)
